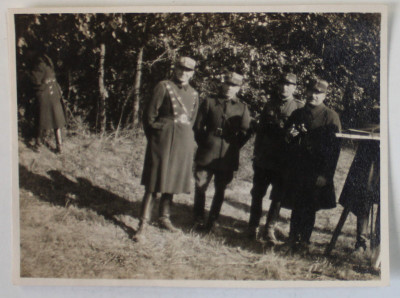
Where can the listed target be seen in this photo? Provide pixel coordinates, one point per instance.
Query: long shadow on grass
(62, 191)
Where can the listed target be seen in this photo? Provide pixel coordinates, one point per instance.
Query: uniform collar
(315, 110)
(222, 99)
(179, 84)
(287, 100)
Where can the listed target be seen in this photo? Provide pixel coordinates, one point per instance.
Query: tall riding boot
(273, 214)
(215, 208)
(164, 213)
(198, 208)
(308, 225)
(295, 224)
(255, 215)
(145, 214)
(57, 133)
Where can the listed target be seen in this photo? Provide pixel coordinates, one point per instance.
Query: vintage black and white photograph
(201, 145)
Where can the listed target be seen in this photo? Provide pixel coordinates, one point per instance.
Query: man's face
(315, 98)
(183, 75)
(287, 90)
(230, 90)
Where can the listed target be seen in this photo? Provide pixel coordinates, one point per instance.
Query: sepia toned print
(183, 147)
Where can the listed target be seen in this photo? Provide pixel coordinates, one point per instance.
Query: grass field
(79, 211)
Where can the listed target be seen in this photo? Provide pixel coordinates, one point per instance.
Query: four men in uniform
(295, 150)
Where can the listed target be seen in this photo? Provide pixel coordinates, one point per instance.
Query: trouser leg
(221, 180)
(260, 185)
(308, 224)
(164, 212)
(202, 180)
(295, 222)
(272, 218)
(216, 205)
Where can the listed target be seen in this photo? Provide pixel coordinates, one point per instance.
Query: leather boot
(198, 209)
(164, 213)
(145, 215)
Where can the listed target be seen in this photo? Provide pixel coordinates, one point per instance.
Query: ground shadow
(61, 191)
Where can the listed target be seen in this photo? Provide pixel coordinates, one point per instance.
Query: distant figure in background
(168, 123)
(50, 113)
(271, 156)
(311, 131)
(221, 131)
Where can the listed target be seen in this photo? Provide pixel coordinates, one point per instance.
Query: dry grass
(80, 210)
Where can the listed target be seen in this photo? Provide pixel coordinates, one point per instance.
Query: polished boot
(198, 209)
(164, 213)
(215, 208)
(145, 215)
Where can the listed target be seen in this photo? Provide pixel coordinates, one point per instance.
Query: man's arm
(199, 125)
(151, 111)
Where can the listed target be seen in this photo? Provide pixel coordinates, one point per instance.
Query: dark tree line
(107, 64)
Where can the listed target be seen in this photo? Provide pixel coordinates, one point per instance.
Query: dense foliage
(342, 48)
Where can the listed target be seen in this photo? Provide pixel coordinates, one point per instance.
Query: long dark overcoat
(362, 186)
(220, 130)
(313, 153)
(50, 112)
(168, 122)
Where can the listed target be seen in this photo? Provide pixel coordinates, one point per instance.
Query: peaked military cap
(289, 77)
(321, 86)
(233, 78)
(186, 62)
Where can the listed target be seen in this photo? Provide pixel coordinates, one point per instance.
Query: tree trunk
(102, 89)
(136, 88)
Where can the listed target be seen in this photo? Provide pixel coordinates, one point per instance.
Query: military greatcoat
(51, 114)
(168, 122)
(220, 130)
(314, 153)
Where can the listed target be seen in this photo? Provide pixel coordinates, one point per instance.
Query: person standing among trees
(168, 123)
(270, 155)
(314, 152)
(221, 130)
(50, 113)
